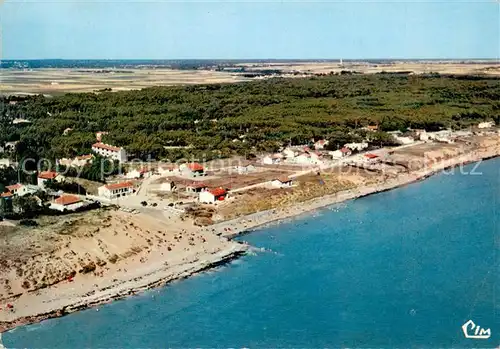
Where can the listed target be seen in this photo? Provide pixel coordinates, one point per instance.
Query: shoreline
(246, 224)
(239, 226)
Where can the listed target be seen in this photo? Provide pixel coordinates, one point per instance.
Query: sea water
(404, 268)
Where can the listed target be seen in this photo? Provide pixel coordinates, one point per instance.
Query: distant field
(57, 81)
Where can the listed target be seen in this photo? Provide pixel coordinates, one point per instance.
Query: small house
(168, 186)
(67, 203)
(321, 144)
(45, 176)
(245, 167)
(486, 124)
(282, 182)
(192, 169)
(195, 187)
(116, 190)
(211, 196)
(346, 151)
(14, 189)
(371, 157)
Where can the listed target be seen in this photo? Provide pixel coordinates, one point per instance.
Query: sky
(224, 29)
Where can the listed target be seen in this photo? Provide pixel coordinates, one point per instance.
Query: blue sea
(404, 268)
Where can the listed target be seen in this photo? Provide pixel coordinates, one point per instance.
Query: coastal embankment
(46, 304)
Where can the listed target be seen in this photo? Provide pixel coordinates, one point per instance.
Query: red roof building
(14, 187)
(371, 156)
(6, 195)
(218, 192)
(122, 185)
(67, 200)
(47, 175)
(101, 145)
(195, 167)
(345, 150)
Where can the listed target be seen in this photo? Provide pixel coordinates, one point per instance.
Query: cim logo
(471, 330)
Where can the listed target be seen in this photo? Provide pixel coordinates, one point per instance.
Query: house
(78, 161)
(116, 190)
(6, 195)
(195, 187)
(371, 157)
(45, 176)
(192, 169)
(356, 146)
(245, 167)
(486, 124)
(282, 182)
(27, 189)
(14, 189)
(211, 196)
(168, 186)
(321, 144)
(346, 151)
(109, 151)
(370, 128)
(272, 159)
(22, 189)
(67, 203)
(136, 174)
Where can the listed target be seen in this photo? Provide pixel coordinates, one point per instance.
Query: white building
(356, 146)
(245, 168)
(136, 174)
(78, 161)
(110, 151)
(168, 186)
(321, 144)
(271, 159)
(211, 196)
(45, 176)
(116, 190)
(192, 169)
(67, 203)
(282, 182)
(22, 189)
(486, 124)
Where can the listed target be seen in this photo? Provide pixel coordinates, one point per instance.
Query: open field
(57, 81)
(52, 81)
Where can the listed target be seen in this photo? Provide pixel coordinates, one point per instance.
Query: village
(169, 189)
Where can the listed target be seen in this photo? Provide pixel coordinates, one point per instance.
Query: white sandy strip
(1, 344)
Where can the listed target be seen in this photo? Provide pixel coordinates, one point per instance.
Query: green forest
(220, 120)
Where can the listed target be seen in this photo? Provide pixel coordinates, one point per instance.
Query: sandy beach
(66, 297)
